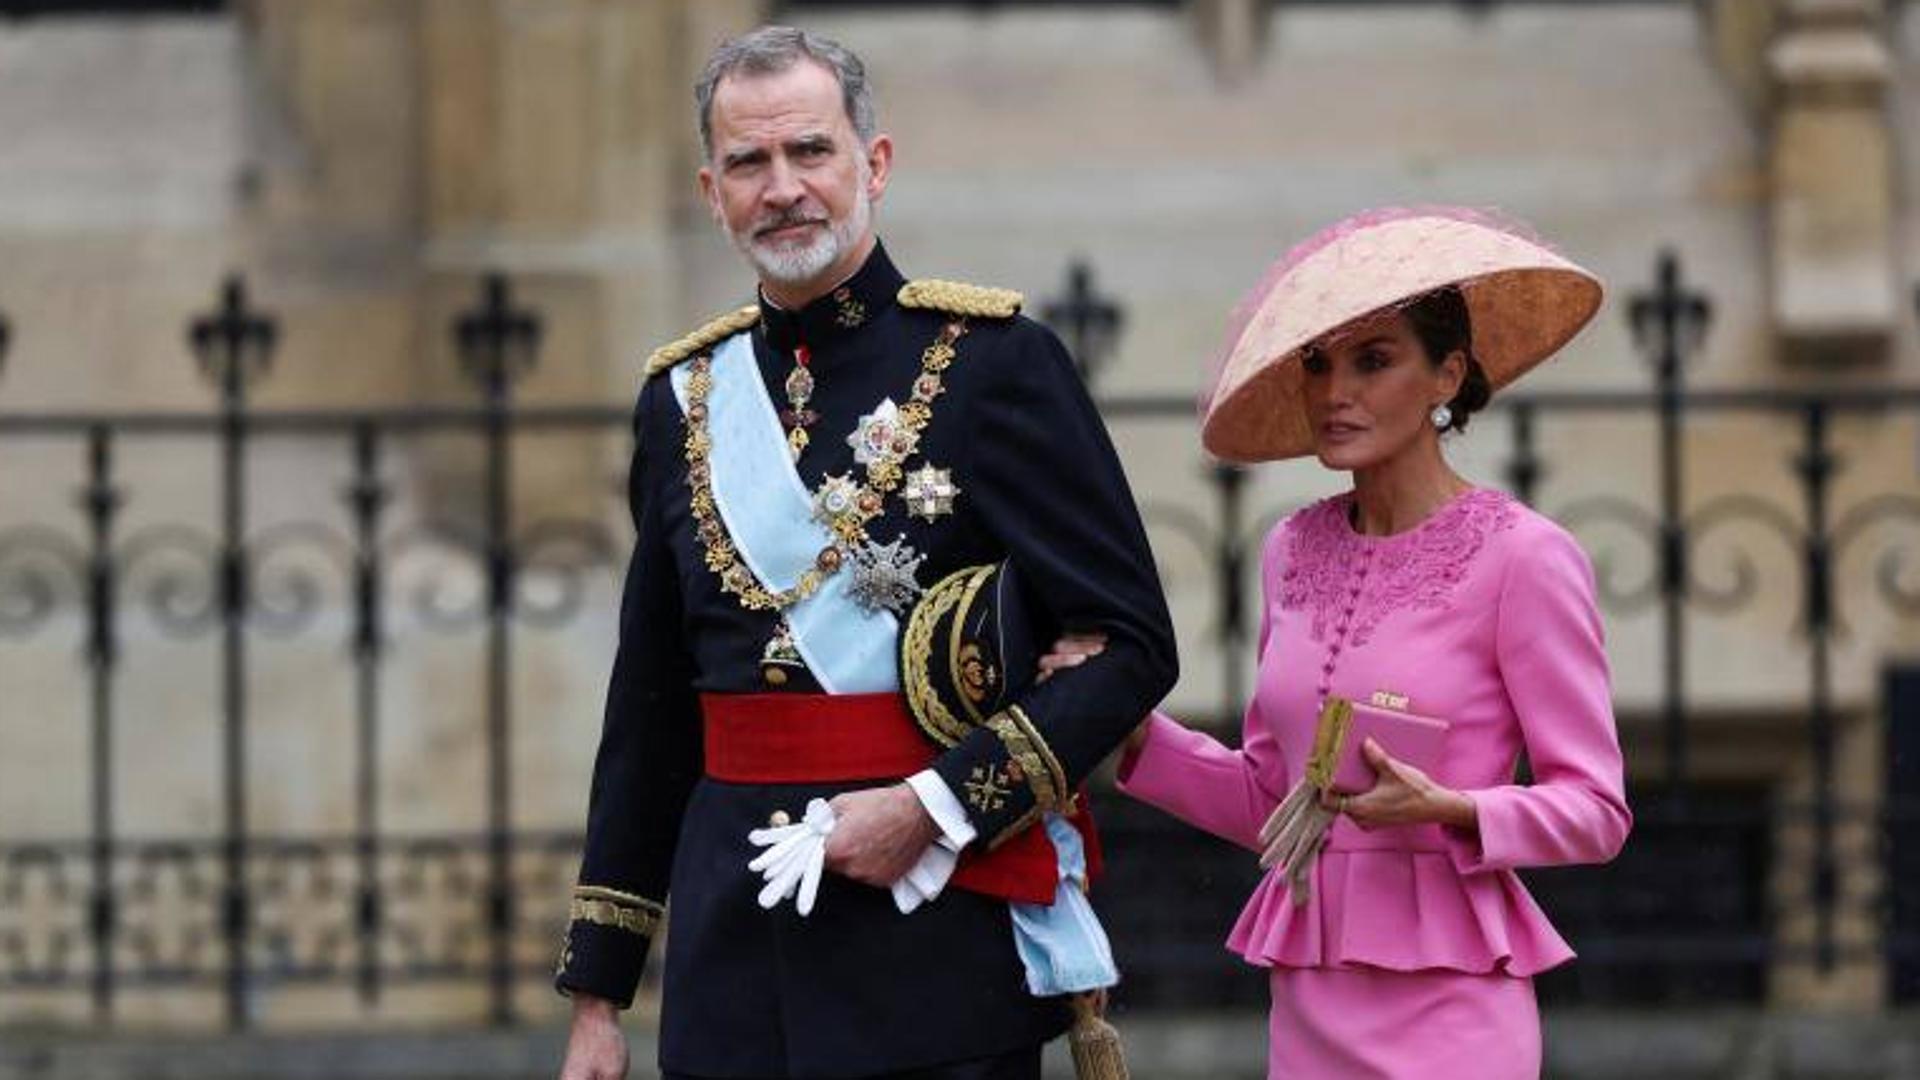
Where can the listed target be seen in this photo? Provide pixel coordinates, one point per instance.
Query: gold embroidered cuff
(1041, 770)
(611, 907)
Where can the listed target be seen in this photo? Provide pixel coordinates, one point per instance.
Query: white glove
(925, 879)
(796, 856)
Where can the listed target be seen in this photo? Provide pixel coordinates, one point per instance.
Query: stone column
(1233, 34)
(1834, 294)
(1737, 35)
(331, 194)
(408, 147)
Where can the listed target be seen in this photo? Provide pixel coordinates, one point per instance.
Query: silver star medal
(879, 437)
(930, 492)
(883, 576)
(835, 498)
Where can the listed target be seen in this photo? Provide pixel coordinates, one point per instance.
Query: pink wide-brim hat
(1524, 300)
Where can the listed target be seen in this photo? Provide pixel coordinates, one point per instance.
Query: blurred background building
(318, 324)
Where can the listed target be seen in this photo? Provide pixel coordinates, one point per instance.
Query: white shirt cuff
(956, 831)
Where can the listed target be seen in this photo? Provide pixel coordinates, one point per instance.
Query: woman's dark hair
(1441, 321)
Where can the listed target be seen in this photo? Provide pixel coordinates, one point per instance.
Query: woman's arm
(1553, 661)
(1190, 775)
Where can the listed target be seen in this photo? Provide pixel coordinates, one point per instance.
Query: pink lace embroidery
(1327, 567)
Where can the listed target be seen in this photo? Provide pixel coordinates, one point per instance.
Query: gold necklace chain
(849, 513)
(799, 392)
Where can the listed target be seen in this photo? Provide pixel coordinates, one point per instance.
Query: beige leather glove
(1293, 836)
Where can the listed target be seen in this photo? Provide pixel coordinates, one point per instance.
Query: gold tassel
(1096, 1045)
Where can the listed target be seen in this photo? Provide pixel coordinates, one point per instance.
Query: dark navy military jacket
(857, 988)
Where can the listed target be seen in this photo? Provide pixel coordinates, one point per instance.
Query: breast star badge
(883, 576)
(930, 492)
(880, 436)
(835, 499)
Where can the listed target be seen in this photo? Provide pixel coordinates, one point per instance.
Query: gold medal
(884, 573)
(798, 417)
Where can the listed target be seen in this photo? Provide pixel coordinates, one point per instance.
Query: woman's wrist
(1457, 810)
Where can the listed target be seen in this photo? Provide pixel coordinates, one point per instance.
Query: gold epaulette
(959, 298)
(697, 342)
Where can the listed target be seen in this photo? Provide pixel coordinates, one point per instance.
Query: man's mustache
(787, 220)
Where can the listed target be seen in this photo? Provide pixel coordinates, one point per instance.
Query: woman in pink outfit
(1412, 951)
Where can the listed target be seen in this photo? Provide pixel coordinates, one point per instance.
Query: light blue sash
(769, 513)
(1063, 946)
(850, 650)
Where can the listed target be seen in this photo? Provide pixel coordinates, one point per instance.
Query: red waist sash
(847, 738)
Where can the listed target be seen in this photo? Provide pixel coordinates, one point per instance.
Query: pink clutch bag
(1345, 726)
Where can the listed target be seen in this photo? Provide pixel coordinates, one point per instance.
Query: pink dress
(1414, 954)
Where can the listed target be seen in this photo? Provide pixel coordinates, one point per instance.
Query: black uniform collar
(850, 306)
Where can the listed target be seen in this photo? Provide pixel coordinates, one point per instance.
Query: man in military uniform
(806, 468)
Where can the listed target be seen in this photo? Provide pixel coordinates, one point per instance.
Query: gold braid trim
(1044, 775)
(1037, 763)
(606, 913)
(955, 645)
(916, 655)
(959, 298)
(712, 333)
(1056, 773)
(600, 892)
(619, 909)
(611, 907)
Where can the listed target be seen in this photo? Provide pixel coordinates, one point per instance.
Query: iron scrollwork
(1589, 518)
(40, 568)
(1896, 563)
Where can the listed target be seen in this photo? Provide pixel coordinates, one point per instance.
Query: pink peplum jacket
(1483, 615)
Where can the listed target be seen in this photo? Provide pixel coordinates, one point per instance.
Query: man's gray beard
(797, 266)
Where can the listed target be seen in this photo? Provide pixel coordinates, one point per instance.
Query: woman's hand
(1403, 795)
(1071, 651)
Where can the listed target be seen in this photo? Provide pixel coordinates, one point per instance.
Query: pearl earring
(1441, 416)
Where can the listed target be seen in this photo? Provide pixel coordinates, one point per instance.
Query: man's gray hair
(771, 50)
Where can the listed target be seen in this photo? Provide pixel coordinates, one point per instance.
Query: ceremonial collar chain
(841, 504)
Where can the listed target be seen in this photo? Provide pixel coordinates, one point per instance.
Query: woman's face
(1370, 388)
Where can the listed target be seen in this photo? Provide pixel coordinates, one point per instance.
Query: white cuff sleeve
(956, 831)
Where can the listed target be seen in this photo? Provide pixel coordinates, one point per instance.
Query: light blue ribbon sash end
(1063, 946)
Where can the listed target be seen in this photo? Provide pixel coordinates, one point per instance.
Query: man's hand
(881, 833)
(596, 1048)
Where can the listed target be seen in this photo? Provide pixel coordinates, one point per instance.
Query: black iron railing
(1689, 912)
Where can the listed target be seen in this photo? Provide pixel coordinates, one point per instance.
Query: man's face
(790, 181)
